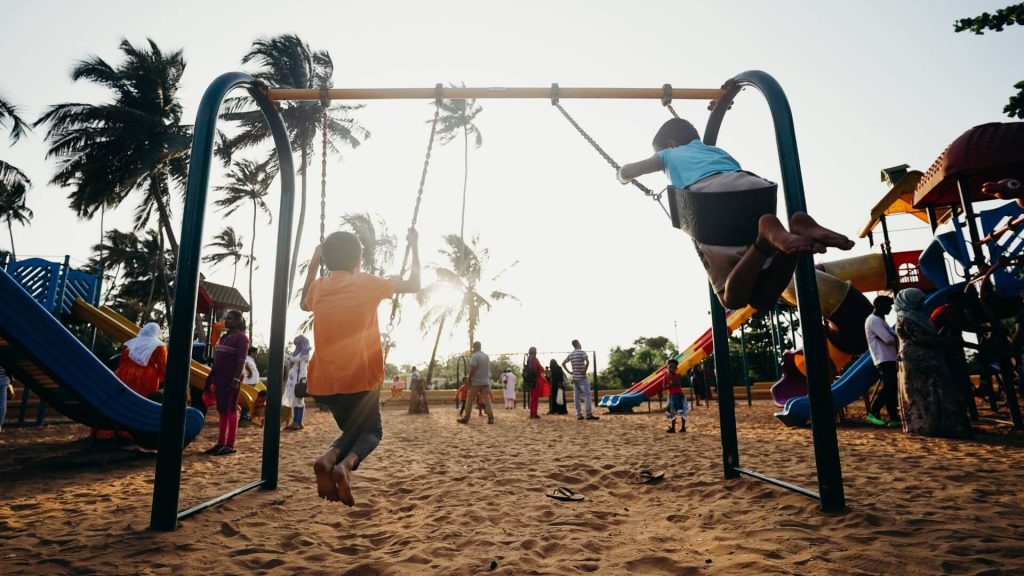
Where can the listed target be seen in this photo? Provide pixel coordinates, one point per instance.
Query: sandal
(565, 495)
(214, 449)
(648, 476)
(225, 450)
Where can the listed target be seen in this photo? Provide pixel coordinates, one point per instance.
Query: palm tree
(9, 114)
(229, 246)
(457, 292)
(378, 243)
(131, 266)
(135, 142)
(248, 183)
(457, 117)
(286, 61)
(12, 205)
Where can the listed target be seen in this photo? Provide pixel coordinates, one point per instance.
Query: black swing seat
(721, 218)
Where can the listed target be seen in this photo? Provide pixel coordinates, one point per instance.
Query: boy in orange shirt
(347, 367)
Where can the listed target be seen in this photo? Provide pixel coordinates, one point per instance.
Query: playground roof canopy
(982, 154)
(225, 297)
(900, 200)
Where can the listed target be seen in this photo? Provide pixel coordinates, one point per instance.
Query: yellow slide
(122, 329)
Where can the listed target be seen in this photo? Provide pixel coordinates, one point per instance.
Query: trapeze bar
(222, 498)
(493, 92)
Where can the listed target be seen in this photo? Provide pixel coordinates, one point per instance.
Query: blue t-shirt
(695, 161)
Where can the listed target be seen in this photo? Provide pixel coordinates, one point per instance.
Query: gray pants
(358, 417)
(471, 395)
(581, 387)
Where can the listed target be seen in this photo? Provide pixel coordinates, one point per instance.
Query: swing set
(167, 485)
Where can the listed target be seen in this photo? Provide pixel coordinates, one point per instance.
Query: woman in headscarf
(930, 403)
(297, 364)
(556, 397)
(533, 379)
(143, 361)
(226, 380)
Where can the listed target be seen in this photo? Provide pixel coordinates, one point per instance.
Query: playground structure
(166, 492)
(50, 361)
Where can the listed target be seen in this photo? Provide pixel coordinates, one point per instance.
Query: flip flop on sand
(565, 494)
(648, 476)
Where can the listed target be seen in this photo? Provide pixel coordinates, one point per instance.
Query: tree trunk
(302, 221)
(11, 232)
(252, 264)
(157, 187)
(234, 273)
(162, 263)
(413, 408)
(465, 180)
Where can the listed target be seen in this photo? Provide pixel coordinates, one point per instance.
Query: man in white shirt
(580, 362)
(883, 348)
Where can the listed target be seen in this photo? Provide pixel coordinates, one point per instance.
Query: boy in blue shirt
(755, 274)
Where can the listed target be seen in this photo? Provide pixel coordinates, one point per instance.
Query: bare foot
(342, 476)
(803, 225)
(326, 487)
(771, 230)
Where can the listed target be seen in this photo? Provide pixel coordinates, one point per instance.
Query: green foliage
(629, 365)
(1008, 16)
(1013, 14)
(133, 269)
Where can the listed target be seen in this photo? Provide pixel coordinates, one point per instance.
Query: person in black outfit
(556, 400)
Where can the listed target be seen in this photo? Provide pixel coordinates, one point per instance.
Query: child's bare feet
(342, 476)
(323, 466)
(771, 230)
(803, 225)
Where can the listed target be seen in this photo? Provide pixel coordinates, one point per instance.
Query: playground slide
(857, 379)
(122, 329)
(66, 375)
(688, 358)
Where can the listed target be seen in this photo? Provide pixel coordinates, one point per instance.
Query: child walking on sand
(677, 404)
(347, 368)
(755, 274)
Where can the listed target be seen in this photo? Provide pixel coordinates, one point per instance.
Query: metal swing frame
(167, 485)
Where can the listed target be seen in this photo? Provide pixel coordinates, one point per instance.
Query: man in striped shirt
(580, 385)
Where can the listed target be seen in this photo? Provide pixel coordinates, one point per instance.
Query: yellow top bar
(493, 92)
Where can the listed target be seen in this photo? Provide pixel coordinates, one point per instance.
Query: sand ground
(440, 498)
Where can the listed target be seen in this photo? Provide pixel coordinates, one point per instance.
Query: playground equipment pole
(457, 93)
(167, 485)
(819, 392)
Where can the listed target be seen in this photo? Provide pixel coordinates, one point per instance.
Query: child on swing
(755, 274)
(347, 368)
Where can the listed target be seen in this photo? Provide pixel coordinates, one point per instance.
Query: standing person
(508, 385)
(347, 369)
(883, 347)
(298, 370)
(677, 405)
(580, 385)
(417, 394)
(479, 376)
(226, 379)
(950, 320)
(700, 385)
(929, 401)
(556, 398)
(143, 361)
(251, 377)
(533, 380)
(461, 394)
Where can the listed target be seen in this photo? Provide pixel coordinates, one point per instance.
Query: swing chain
(438, 90)
(666, 99)
(554, 102)
(325, 103)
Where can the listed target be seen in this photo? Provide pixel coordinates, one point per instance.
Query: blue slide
(857, 379)
(47, 358)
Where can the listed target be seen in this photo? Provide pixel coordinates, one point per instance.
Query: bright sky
(871, 85)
